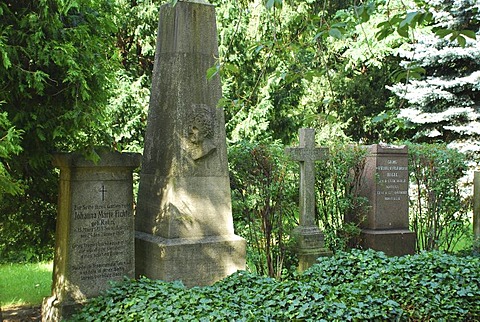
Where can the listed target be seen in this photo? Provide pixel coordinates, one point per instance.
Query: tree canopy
(443, 105)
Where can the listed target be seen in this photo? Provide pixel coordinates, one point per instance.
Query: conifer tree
(443, 105)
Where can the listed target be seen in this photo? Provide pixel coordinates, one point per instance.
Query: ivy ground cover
(350, 286)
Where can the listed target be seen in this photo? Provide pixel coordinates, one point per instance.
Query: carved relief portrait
(201, 132)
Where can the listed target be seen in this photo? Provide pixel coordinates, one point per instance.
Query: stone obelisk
(184, 223)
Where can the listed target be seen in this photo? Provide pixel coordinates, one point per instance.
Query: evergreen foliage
(340, 209)
(355, 286)
(443, 105)
(57, 59)
(9, 146)
(265, 196)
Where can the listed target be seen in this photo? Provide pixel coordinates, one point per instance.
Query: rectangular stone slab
(94, 241)
(194, 261)
(385, 185)
(394, 242)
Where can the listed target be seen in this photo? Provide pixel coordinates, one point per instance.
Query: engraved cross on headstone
(307, 154)
(103, 190)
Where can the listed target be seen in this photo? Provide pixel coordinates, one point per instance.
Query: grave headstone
(385, 185)
(184, 222)
(94, 241)
(310, 238)
(476, 212)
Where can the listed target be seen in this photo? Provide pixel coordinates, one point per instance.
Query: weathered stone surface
(393, 242)
(95, 229)
(385, 185)
(184, 190)
(310, 239)
(307, 154)
(194, 261)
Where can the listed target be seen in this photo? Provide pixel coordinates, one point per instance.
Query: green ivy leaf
(383, 33)
(318, 35)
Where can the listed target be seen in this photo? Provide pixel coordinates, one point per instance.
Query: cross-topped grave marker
(310, 238)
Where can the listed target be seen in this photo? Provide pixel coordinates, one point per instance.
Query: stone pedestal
(184, 219)
(194, 261)
(385, 185)
(310, 246)
(94, 241)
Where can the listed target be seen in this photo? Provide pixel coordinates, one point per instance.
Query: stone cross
(307, 154)
(309, 237)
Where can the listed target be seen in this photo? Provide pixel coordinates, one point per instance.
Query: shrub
(438, 213)
(339, 207)
(350, 286)
(264, 205)
(265, 201)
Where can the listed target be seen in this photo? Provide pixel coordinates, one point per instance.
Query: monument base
(311, 246)
(308, 257)
(194, 261)
(395, 242)
(54, 310)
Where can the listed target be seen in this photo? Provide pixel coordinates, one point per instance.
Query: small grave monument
(184, 222)
(309, 237)
(385, 185)
(94, 241)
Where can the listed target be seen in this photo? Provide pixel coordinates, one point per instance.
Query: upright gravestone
(385, 185)
(309, 237)
(94, 241)
(184, 223)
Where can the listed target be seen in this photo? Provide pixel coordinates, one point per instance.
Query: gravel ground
(21, 314)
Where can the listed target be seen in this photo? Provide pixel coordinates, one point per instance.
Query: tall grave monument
(385, 185)
(310, 239)
(184, 223)
(94, 239)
